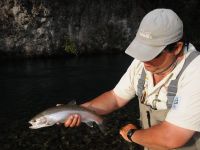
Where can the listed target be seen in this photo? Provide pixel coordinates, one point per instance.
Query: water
(28, 87)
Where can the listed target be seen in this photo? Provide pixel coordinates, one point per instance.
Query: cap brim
(143, 52)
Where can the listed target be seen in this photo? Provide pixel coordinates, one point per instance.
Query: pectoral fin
(90, 124)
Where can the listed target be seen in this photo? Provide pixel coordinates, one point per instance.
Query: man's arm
(162, 136)
(103, 104)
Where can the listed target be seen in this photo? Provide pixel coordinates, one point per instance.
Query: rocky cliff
(48, 27)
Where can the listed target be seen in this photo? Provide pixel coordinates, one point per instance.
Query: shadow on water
(27, 87)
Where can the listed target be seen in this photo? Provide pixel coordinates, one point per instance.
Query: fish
(60, 113)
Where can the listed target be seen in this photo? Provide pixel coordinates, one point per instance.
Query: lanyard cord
(145, 93)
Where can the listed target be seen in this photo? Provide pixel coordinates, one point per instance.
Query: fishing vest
(151, 116)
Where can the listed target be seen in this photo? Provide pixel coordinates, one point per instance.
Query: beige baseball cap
(158, 29)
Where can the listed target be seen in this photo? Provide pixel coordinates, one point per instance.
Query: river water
(30, 86)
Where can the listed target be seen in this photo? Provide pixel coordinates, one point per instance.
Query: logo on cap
(146, 34)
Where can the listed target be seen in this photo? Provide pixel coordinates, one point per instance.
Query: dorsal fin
(59, 104)
(73, 102)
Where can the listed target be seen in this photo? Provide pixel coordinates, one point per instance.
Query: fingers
(127, 127)
(124, 130)
(79, 121)
(73, 120)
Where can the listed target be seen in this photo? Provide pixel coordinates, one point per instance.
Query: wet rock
(41, 27)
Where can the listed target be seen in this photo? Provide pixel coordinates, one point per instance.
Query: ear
(179, 47)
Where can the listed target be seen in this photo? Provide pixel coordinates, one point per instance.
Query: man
(165, 77)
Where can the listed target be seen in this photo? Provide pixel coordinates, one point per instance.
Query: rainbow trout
(59, 114)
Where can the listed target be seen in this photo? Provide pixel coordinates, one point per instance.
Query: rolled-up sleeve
(125, 87)
(185, 111)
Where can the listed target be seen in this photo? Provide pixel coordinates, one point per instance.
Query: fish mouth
(35, 125)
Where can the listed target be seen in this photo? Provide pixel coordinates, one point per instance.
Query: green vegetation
(70, 47)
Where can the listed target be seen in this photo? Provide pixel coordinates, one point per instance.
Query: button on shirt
(185, 110)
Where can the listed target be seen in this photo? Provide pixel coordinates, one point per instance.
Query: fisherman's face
(162, 61)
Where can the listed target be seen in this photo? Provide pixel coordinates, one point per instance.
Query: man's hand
(124, 130)
(73, 121)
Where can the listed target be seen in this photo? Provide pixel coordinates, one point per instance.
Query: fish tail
(102, 128)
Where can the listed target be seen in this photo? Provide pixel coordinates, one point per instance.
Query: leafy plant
(70, 47)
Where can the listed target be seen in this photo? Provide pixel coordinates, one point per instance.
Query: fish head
(39, 122)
